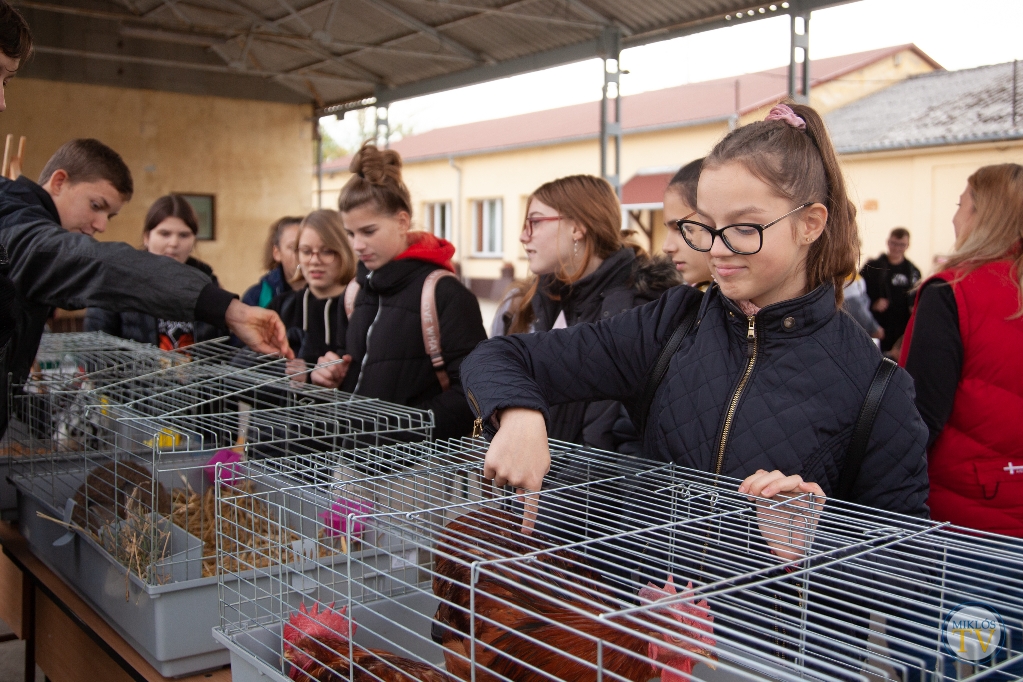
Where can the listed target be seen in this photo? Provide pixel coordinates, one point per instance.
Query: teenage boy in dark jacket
(46, 234)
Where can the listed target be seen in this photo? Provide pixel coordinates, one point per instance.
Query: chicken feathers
(539, 620)
(317, 647)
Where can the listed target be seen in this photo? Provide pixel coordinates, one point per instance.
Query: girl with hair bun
(584, 271)
(381, 326)
(327, 265)
(769, 383)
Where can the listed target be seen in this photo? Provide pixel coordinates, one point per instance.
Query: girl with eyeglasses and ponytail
(768, 385)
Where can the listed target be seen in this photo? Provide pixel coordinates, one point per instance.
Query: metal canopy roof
(347, 52)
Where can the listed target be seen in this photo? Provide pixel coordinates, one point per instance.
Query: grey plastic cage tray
(168, 624)
(256, 653)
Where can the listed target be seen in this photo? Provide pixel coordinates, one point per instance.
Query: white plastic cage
(632, 571)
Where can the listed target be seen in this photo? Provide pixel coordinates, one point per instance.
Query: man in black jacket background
(889, 279)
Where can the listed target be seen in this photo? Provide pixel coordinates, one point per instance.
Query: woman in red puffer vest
(963, 349)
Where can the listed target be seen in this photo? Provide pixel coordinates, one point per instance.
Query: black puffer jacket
(143, 327)
(385, 339)
(806, 367)
(312, 323)
(622, 281)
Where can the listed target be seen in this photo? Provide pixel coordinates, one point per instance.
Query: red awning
(645, 189)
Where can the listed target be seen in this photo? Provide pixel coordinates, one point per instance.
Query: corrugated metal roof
(683, 105)
(944, 107)
(346, 51)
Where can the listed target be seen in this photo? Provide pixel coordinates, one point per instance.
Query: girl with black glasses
(768, 385)
(327, 264)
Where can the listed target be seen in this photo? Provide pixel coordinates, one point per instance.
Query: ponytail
(792, 152)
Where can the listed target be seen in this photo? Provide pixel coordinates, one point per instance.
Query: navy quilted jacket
(781, 390)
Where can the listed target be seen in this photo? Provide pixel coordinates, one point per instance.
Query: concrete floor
(12, 659)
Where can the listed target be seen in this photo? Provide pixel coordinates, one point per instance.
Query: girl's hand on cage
(519, 456)
(788, 509)
(332, 375)
(296, 369)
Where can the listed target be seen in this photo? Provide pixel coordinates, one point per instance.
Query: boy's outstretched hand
(258, 328)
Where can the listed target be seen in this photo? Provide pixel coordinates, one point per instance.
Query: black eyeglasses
(530, 223)
(744, 239)
(326, 256)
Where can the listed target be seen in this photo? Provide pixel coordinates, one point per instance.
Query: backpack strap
(351, 292)
(863, 428)
(685, 327)
(431, 325)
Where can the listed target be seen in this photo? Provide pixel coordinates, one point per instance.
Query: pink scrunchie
(782, 112)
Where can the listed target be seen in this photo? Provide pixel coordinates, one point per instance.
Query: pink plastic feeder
(336, 518)
(228, 472)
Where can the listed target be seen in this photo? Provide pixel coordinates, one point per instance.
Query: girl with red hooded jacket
(382, 338)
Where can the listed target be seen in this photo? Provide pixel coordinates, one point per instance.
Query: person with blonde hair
(405, 285)
(962, 348)
(327, 264)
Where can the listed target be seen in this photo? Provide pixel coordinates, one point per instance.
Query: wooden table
(63, 634)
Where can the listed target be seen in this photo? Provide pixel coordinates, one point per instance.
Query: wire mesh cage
(628, 571)
(122, 492)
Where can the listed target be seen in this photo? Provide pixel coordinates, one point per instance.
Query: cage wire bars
(118, 486)
(633, 570)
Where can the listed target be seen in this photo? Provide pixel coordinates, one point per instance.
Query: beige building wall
(253, 156)
(512, 175)
(917, 189)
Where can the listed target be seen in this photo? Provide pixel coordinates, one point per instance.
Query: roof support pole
(611, 129)
(383, 128)
(318, 132)
(799, 33)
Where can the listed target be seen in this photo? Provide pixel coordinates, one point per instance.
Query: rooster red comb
(322, 625)
(694, 619)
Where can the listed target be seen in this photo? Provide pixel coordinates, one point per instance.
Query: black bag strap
(864, 426)
(660, 368)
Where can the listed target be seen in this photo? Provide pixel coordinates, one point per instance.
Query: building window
(438, 219)
(487, 224)
(205, 210)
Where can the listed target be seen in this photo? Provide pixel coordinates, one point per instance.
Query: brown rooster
(553, 600)
(316, 646)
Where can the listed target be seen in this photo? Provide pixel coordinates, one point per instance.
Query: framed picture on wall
(205, 209)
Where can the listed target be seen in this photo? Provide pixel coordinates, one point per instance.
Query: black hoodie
(385, 339)
(312, 322)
